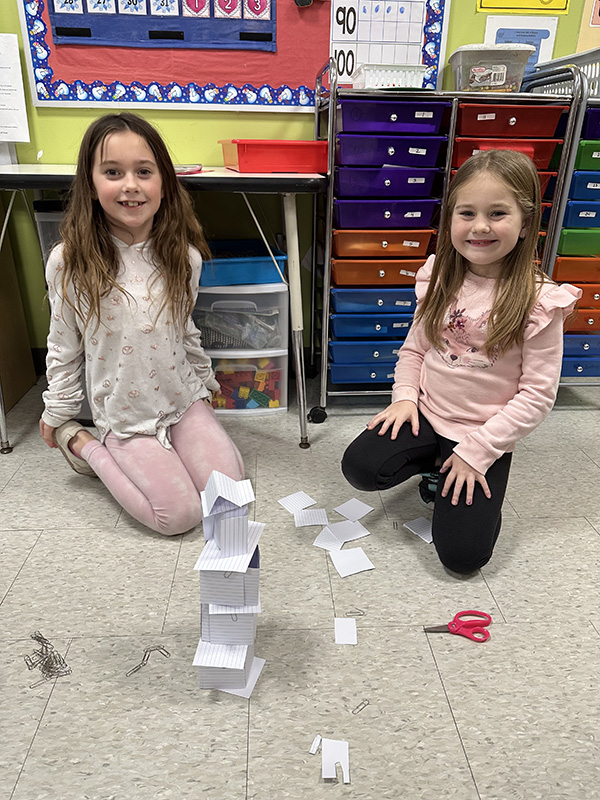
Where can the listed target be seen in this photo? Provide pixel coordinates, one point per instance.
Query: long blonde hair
(91, 258)
(519, 283)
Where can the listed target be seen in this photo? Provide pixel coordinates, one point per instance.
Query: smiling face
(128, 185)
(486, 223)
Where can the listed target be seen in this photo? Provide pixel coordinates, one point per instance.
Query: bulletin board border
(50, 91)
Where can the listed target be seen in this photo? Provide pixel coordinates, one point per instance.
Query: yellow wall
(193, 137)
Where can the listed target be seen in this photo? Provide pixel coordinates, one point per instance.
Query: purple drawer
(591, 126)
(390, 116)
(404, 151)
(384, 213)
(384, 182)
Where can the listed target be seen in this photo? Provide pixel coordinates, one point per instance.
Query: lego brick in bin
(241, 261)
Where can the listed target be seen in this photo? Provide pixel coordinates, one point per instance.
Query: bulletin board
(217, 54)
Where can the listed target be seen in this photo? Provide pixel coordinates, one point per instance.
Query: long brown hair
(519, 283)
(91, 258)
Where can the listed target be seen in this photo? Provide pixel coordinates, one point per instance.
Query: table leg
(293, 256)
(4, 443)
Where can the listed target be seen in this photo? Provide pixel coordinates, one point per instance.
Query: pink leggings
(159, 487)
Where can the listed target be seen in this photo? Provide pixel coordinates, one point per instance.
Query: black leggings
(464, 536)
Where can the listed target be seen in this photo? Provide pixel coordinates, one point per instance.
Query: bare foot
(77, 443)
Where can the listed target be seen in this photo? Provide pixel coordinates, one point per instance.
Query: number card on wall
(223, 24)
(409, 32)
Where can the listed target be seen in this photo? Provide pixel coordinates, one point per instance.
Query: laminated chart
(229, 569)
(390, 32)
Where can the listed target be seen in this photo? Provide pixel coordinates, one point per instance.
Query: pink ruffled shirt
(484, 402)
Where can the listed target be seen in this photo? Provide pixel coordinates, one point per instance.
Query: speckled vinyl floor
(425, 716)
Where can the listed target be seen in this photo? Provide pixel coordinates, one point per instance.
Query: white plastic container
(388, 76)
(243, 316)
(490, 67)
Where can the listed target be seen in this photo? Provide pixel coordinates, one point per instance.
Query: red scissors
(464, 624)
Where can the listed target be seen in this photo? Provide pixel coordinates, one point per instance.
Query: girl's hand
(47, 434)
(394, 416)
(462, 474)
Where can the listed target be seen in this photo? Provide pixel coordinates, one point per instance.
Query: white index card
(296, 501)
(345, 630)
(347, 530)
(310, 516)
(349, 562)
(335, 752)
(255, 670)
(211, 557)
(314, 748)
(353, 509)
(222, 493)
(327, 540)
(422, 527)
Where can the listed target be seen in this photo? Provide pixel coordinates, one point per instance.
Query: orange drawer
(586, 319)
(377, 243)
(591, 295)
(576, 268)
(375, 272)
(478, 119)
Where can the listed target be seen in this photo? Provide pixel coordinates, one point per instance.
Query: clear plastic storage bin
(240, 317)
(490, 67)
(250, 384)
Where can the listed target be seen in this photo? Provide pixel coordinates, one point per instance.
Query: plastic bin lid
(247, 288)
(495, 47)
(275, 142)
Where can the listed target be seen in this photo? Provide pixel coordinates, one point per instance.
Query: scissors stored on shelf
(472, 624)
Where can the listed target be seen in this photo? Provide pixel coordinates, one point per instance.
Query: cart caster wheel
(317, 415)
(6, 449)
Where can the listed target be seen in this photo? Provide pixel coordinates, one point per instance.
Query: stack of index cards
(229, 568)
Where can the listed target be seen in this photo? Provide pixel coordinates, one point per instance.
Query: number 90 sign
(344, 35)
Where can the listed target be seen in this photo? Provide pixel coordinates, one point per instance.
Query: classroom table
(20, 177)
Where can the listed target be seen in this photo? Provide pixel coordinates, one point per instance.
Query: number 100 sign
(344, 36)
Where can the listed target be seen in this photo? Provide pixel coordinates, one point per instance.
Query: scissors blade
(437, 629)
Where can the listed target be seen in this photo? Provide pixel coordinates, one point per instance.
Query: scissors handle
(472, 624)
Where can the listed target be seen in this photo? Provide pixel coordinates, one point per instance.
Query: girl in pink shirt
(480, 366)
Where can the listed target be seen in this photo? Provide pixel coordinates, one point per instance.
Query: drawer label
(418, 180)
(396, 351)
(412, 214)
(402, 303)
(596, 154)
(406, 243)
(390, 375)
(400, 325)
(593, 186)
(485, 116)
(588, 214)
(417, 151)
(406, 272)
(423, 114)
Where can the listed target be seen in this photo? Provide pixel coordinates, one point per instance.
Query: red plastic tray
(274, 155)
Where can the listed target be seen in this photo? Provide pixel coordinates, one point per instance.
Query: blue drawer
(582, 346)
(384, 213)
(407, 151)
(362, 373)
(384, 181)
(582, 213)
(390, 116)
(585, 185)
(574, 367)
(364, 352)
(363, 326)
(357, 301)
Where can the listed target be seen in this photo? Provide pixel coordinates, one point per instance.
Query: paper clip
(360, 707)
(234, 617)
(146, 656)
(227, 574)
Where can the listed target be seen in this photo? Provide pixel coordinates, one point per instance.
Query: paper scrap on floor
(296, 501)
(334, 751)
(422, 527)
(347, 530)
(353, 509)
(345, 630)
(310, 516)
(349, 562)
(327, 540)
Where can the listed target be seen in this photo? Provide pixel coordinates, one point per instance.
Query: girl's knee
(171, 522)
(355, 471)
(464, 562)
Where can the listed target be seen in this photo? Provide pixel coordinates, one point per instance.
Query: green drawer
(579, 242)
(588, 154)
